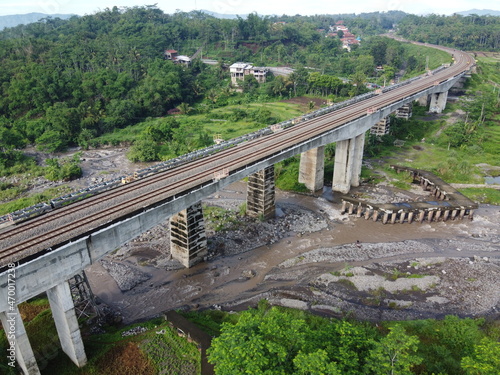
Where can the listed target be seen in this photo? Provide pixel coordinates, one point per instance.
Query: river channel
(237, 278)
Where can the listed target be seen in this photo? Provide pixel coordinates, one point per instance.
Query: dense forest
(468, 33)
(275, 340)
(66, 82)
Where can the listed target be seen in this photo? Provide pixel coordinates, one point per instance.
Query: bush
(63, 170)
(143, 150)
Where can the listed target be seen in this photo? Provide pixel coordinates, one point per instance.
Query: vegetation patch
(157, 350)
(31, 309)
(482, 195)
(287, 175)
(171, 354)
(125, 359)
(347, 283)
(220, 219)
(33, 199)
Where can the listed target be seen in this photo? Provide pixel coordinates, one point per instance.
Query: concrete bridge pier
(68, 330)
(438, 215)
(438, 102)
(430, 215)
(312, 168)
(347, 167)
(382, 127)
(405, 112)
(18, 341)
(394, 216)
(188, 242)
(261, 194)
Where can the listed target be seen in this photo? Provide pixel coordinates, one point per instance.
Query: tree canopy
(276, 340)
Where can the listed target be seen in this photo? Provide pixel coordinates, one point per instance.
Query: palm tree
(184, 108)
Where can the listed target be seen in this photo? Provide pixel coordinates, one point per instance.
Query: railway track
(78, 219)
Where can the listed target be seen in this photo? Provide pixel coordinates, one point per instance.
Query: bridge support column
(359, 147)
(438, 102)
(18, 344)
(261, 194)
(188, 242)
(405, 111)
(382, 127)
(312, 168)
(68, 330)
(348, 159)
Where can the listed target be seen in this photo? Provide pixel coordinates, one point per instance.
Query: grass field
(230, 121)
(436, 58)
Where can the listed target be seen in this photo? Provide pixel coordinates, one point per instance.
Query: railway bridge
(41, 254)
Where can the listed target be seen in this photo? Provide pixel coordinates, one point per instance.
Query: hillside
(480, 12)
(14, 20)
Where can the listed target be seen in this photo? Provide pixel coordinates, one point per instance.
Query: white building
(240, 69)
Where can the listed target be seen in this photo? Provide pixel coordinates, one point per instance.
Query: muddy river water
(281, 270)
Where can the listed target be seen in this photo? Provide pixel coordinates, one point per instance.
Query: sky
(262, 7)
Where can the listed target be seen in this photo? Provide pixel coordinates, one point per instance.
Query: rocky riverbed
(312, 257)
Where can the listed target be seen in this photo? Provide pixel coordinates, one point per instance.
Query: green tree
(485, 360)
(315, 363)
(144, 149)
(260, 343)
(299, 79)
(10, 139)
(249, 84)
(52, 141)
(63, 169)
(394, 354)
(359, 80)
(184, 108)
